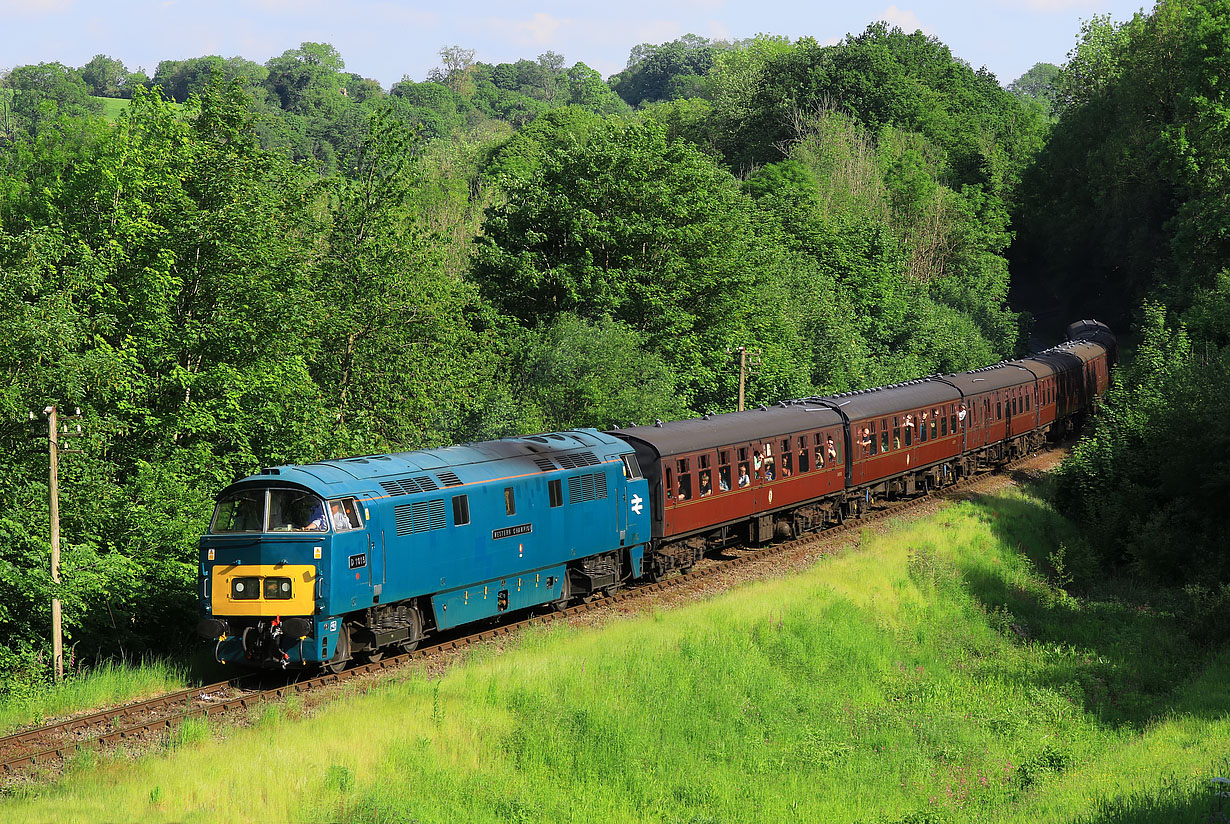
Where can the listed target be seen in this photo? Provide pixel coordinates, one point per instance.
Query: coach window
(556, 490)
(670, 483)
(804, 463)
(833, 448)
(896, 432)
(787, 459)
(952, 418)
(461, 510)
(999, 409)
(510, 505)
(1014, 410)
(908, 430)
(818, 441)
(871, 437)
(884, 435)
(724, 470)
(943, 427)
(935, 414)
(685, 478)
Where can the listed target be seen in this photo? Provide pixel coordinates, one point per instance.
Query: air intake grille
(591, 487)
(419, 516)
(577, 460)
(544, 464)
(450, 479)
(403, 487)
(426, 483)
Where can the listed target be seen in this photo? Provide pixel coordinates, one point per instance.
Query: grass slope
(932, 676)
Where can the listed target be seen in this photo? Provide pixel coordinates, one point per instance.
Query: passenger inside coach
(744, 478)
(706, 488)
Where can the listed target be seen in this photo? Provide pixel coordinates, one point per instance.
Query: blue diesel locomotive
(337, 560)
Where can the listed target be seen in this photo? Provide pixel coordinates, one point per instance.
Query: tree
(106, 77)
(1041, 84)
(45, 92)
(629, 226)
(458, 65)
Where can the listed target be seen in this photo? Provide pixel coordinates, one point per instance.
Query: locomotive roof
(448, 466)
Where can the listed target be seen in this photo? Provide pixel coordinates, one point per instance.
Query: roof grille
(577, 460)
(427, 483)
(406, 486)
(544, 464)
(450, 479)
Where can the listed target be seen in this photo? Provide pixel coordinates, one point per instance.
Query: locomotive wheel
(341, 656)
(565, 591)
(416, 630)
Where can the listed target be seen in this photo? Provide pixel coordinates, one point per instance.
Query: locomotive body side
(414, 542)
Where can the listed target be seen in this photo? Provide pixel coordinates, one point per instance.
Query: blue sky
(386, 39)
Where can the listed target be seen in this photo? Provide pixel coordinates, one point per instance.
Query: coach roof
(711, 431)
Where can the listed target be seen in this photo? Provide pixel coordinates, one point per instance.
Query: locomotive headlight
(277, 589)
(245, 589)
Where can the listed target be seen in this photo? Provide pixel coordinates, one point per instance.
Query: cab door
(356, 557)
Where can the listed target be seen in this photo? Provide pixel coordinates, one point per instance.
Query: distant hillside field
(112, 106)
(930, 675)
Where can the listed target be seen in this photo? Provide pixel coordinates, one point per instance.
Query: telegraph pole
(744, 370)
(52, 414)
(742, 374)
(57, 637)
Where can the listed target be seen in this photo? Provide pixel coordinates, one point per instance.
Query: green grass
(31, 703)
(113, 107)
(933, 676)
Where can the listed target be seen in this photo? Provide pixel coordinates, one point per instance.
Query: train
(322, 564)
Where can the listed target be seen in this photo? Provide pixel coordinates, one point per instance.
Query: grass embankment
(931, 676)
(27, 702)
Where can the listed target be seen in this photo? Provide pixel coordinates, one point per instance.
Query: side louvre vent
(577, 460)
(544, 464)
(449, 478)
(427, 483)
(419, 516)
(589, 487)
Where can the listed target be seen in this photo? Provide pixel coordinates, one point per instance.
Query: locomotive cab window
(632, 469)
(293, 511)
(240, 512)
(344, 515)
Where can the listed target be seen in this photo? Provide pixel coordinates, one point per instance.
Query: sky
(389, 39)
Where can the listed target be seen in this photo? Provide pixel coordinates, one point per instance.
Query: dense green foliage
(1126, 207)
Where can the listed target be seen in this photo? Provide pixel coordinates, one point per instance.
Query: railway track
(43, 748)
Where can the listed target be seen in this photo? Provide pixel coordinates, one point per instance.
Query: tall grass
(33, 700)
(932, 676)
